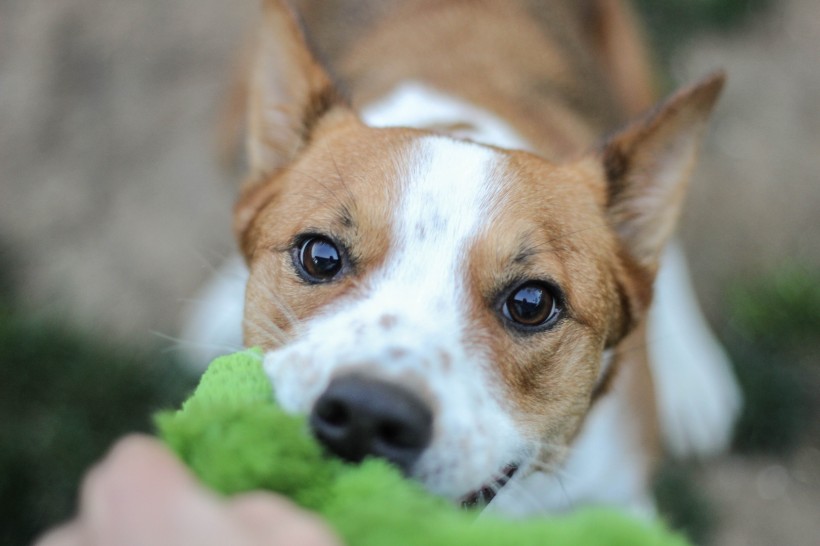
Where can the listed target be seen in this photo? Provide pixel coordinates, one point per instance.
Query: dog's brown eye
(320, 258)
(530, 305)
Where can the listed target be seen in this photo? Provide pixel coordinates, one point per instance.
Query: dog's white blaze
(449, 197)
(449, 201)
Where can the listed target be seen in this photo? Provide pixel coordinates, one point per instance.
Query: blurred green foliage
(773, 334)
(63, 400)
(780, 311)
(671, 23)
(684, 506)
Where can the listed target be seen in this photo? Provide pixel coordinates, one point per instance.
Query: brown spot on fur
(397, 354)
(388, 322)
(446, 360)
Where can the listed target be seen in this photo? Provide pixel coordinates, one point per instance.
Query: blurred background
(114, 210)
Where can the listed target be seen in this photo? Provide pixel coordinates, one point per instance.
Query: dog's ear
(647, 166)
(289, 94)
(290, 91)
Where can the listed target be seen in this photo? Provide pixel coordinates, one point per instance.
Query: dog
(450, 249)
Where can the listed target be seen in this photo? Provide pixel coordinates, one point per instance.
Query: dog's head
(441, 303)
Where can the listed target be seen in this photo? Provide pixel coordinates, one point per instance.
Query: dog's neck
(545, 84)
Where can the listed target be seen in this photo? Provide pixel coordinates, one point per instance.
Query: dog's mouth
(482, 496)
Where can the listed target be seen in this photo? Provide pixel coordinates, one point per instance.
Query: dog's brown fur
(598, 215)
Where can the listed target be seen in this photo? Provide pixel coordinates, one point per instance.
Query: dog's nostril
(334, 413)
(396, 434)
(358, 417)
(403, 435)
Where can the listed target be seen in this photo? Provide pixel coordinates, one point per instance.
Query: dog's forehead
(445, 193)
(449, 191)
(455, 196)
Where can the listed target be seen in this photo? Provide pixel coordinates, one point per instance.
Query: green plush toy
(235, 438)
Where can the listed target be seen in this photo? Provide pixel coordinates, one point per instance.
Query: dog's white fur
(697, 397)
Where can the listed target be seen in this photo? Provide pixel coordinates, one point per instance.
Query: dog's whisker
(554, 450)
(269, 329)
(181, 344)
(555, 454)
(564, 490)
(548, 468)
(557, 471)
(267, 338)
(212, 260)
(268, 333)
(288, 314)
(537, 504)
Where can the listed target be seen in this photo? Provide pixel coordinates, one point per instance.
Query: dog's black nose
(358, 416)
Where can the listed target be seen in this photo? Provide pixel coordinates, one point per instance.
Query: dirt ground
(111, 195)
(115, 211)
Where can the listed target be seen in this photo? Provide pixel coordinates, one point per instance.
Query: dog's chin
(482, 496)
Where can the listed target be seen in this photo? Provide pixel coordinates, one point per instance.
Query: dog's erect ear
(289, 95)
(289, 90)
(648, 164)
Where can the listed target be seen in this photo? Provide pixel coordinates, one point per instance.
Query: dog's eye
(319, 258)
(531, 305)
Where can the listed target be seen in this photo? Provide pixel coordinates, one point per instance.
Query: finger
(69, 534)
(148, 459)
(271, 519)
(141, 494)
(137, 458)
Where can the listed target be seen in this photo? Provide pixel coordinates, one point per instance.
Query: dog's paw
(698, 397)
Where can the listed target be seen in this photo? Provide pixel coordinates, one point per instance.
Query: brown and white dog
(449, 266)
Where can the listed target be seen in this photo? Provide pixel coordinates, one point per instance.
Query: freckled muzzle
(357, 417)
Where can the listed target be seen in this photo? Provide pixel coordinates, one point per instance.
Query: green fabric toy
(233, 436)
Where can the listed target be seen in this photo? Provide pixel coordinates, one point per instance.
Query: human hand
(141, 495)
